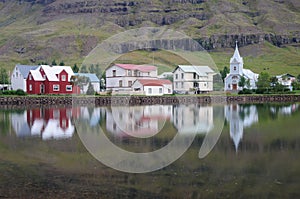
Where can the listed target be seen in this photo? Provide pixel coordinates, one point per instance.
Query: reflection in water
(137, 121)
(267, 137)
(141, 121)
(243, 116)
(239, 117)
(193, 118)
(49, 123)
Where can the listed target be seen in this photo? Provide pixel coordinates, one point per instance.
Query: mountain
(34, 31)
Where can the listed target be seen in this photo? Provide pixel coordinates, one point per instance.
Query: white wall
(17, 80)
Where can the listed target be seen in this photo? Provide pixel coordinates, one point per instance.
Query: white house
(120, 77)
(193, 78)
(286, 80)
(237, 71)
(19, 76)
(93, 79)
(153, 86)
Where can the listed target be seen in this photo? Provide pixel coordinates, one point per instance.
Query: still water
(220, 151)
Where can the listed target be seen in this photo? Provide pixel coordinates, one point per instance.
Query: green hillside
(32, 31)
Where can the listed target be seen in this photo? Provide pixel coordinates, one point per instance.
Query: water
(220, 151)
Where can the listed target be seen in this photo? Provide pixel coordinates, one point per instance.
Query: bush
(20, 92)
(245, 91)
(13, 92)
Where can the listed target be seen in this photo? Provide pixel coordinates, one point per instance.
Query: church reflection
(240, 116)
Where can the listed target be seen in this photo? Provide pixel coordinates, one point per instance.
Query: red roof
(143, 68)
(154, 82)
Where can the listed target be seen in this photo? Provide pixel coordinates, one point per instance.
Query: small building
(153, 86)
(120, 77)
(196, 79)
(237, 71)
(286, 80)
(93, 79)
(50, 80)
(19, 76)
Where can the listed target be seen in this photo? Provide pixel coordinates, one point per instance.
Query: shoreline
(25, 101)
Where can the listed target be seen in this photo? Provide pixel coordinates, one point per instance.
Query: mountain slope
(33, 31)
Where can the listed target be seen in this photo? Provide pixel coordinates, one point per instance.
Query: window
(17, 74)
(150, 90)
(30, 87)
(129, 83)
(30, 77)
(182, 85)
(114, 73)
(55, 87)
(182, 75)
(64, 123)
(135, 73)
(176, 85)
(63, 78)
(69, 88)
(120, 83)
(176, 76)
(205, 85)
(129, 73)
(169, 90)
(160, 90)
(234, 68)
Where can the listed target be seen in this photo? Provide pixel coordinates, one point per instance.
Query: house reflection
(193, 118)
(239, 117)
(137, 121)
(284, 110)
(48, 123)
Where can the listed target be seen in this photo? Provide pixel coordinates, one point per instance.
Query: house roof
(24, 69)
(92, 77)
(142, 68)
(36, 75)
(199, 70)
(154, 82)
(52, 72)
(250, 75)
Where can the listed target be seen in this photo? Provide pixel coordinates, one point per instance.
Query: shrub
(20, 92)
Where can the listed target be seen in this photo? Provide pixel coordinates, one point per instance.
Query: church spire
(236, 56)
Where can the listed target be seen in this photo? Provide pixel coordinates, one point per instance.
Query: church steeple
(236, 62)
(236, 56)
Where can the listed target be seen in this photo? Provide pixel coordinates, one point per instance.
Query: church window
(234, 68)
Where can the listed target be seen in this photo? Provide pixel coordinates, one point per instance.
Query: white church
(237, 71)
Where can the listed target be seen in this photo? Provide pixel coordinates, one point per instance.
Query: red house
(50, 80)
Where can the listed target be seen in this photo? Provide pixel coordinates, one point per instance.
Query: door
(234, 87)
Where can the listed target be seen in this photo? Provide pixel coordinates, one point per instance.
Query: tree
(3, 76)
(83, 69)
(264, 81)
(242, 82)
(224, 72)
(92, 68)
(248, 83)
(75, 68)
(53, 63)
(98, 71)
(62, 63)
(274, 81)
(298, 78)
(80, 81)
(90, 90)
